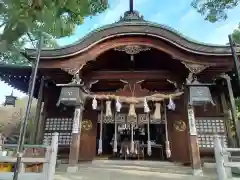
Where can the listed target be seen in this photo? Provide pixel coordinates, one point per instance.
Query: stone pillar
(75, 143)
(193, 140)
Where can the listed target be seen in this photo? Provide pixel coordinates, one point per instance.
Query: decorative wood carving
(195, 68)
(74, 69)
(132, 88)
(132, 49)
(69, 70)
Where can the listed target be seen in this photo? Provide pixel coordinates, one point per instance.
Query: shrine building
(132, 90)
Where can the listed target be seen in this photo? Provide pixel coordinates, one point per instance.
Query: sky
(177, 14)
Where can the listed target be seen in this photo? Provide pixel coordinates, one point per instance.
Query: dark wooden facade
(171, 56)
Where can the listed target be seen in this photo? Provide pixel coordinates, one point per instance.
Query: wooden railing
(48, 160)
(224, 157)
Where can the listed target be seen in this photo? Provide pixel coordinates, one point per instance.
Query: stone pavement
(131, 171)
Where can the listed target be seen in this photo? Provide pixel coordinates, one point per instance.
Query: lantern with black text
(199, 94)
(10, 100)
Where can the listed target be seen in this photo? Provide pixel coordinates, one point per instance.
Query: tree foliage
(236, 35)
(13, 55)
(214, 10)
(57, 18)
(11, 117)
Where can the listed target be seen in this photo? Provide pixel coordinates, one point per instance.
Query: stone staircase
(143, 169)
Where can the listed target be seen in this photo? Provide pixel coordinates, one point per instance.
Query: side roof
(129, 25)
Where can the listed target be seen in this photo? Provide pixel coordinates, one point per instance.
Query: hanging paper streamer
(94, 103)
(146, 108)
(168, 151)
(149, 148)
(171, 105)
(115, 135)
(157, 112)
(132, 112)
(100, 135)
(132, 142)
(118, 105)
(108, 109)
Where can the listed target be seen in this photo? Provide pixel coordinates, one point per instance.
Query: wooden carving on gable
(132, 88)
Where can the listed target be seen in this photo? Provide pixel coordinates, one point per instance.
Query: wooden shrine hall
(132, 90)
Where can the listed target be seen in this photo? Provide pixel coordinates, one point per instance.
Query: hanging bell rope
(168, 151)
(118, 105)
(94, 103)
(101, 130)
(171, 105)
(108, 109)
(132, 112)
(115, 134)
(149, 148)
(157, 112)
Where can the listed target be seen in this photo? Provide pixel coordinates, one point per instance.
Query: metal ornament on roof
(132, 49)
(10, 100)
(131, 16)
(199, 94)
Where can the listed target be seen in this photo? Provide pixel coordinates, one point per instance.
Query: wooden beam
(127, 75)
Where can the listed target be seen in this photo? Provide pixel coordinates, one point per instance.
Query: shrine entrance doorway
(124, 132)
(131, 78)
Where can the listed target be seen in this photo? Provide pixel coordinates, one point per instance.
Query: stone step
(114, 172)
(149, 167)
(163, 169)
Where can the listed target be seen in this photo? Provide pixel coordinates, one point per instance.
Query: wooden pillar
(193, 139)
(43, 115)
(37, 118)
(227, 118)
(40, 129)
(233, 107)
(75, 143)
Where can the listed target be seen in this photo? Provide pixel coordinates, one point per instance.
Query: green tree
(236, 35)
(214, 10)
(13, 55)
(58, 18)
(11, 117)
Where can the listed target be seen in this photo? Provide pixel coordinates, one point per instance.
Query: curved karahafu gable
(132, 24)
